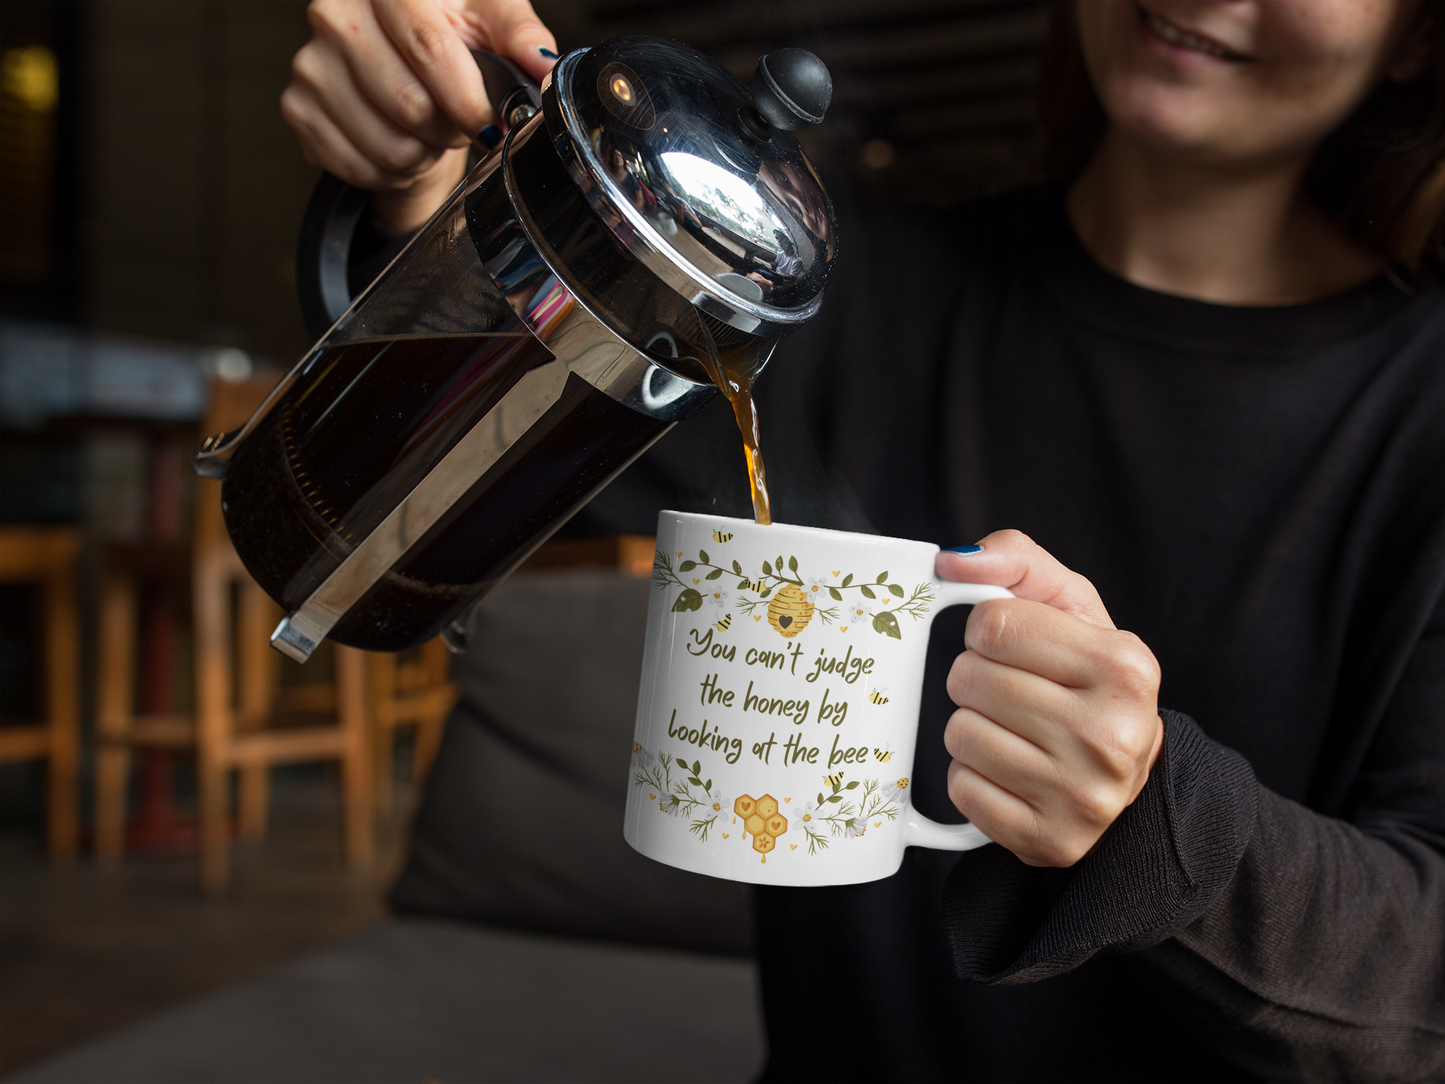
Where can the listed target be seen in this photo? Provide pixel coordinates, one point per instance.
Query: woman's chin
(1177, 122)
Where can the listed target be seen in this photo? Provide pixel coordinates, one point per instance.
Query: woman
(1206, 373)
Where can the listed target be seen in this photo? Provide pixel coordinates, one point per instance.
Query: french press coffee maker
(645, 215)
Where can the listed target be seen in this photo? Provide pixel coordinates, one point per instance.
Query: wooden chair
(236, 690)
(46, 556)
(413, 688)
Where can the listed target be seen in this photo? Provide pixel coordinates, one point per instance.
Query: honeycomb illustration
(790, 611)
(762, 821)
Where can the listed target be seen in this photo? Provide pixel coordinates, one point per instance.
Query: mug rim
(797, 528)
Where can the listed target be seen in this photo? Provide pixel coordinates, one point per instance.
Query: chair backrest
(229, 407)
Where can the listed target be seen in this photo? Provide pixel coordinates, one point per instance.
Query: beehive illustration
(789, 612)
(761, 820)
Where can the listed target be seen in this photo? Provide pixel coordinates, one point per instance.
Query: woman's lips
(1180, 38)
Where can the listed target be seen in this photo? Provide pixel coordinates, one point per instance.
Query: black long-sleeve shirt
(1259, 493)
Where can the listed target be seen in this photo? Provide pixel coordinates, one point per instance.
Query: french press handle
(323, 252)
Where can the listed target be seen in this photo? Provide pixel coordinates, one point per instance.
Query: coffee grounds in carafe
(300, 494)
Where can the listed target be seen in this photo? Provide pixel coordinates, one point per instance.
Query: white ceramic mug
(779, 705)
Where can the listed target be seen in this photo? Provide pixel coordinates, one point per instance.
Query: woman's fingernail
(964, 551)
(546, 52)
(489, 136)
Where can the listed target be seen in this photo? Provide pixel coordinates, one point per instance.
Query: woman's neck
(1242, 237)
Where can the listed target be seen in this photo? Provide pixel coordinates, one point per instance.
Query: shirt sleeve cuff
(1161, 863)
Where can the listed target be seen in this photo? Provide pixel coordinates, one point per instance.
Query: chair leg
(356, 776)
(212, 785)
(115, 702)
(381, 671)
(112, 775)
(63, 707)
(213, 720)
(256, 679)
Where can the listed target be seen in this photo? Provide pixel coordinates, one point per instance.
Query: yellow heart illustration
(735, 820)
(725, 835)
(678, 552)
(652, 797)
(836, 571)
(794, 846)
(878, 824)
(696, 580)
(787, 799)
(843, 628)
(757, 617)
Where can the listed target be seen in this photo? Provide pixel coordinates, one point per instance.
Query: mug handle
(918, 830)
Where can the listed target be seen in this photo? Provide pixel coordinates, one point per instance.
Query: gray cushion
(414, 1000)
(521, 823)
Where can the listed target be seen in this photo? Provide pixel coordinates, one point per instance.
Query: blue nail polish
(547, 53)
(489, 136)
(964, 551)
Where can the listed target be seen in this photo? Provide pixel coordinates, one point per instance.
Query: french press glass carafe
(645, 215)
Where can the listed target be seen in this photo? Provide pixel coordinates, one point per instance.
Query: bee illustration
(721, 536)
(724, 622)
(834, 780)
(884, 755)
(756, 585)
(875, 696)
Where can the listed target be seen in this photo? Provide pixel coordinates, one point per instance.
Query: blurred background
(150, 197)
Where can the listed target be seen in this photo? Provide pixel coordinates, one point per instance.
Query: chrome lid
(672, 153)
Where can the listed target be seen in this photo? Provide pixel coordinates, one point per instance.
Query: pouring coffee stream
(643, 235)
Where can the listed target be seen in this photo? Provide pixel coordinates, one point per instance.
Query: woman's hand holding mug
(387, 97)
(1058, 724)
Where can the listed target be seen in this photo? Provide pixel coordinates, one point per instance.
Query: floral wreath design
(788, 600)
(838, 813)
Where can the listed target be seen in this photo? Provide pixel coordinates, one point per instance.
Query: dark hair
(1380, 174)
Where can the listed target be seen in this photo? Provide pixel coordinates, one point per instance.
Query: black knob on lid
(792, 89)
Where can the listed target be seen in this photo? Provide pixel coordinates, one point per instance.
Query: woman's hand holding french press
(1058, 722)
(386, 96)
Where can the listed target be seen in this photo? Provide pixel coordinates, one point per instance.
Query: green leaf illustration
(867, 592)
(697, 768)
(702, 556)
(820, 797)
(835, 797)
(837, 596)
(780, 565)
(694, 780)
(765, 592)
(707, 786)
(737, 568)
(882, 577)
(792, 564)
(887, 624)
(715, 573)
(851, 785)
(767, 569)
(690, 599)
(896, 589)
(847, 579)
(687, 566)
(743, 585)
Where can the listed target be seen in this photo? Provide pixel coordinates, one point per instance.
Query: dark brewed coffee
(364, 423)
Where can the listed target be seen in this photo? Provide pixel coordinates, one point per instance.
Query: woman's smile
(1169, 38)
